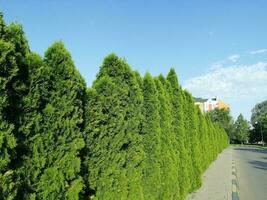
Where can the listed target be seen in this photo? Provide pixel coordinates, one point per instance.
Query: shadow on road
(255, 163)
(255, 150)
(259, 164)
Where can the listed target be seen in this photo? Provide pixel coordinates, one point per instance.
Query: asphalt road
(251, 165)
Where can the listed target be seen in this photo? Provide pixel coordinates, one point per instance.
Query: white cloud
(235, 82)
(234, 58)
(259, 51)
(216, 66)
(241, 86)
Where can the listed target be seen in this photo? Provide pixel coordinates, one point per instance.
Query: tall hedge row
(125, 137)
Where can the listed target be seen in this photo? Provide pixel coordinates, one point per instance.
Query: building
(207, 105)
(200, 103)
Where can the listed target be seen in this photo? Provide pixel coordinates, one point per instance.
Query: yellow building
(222, 105)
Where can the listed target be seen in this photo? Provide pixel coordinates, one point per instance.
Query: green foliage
(113, 133)
(52, 127)
(241, 129)
(193, 141)
(168, 159)
(151, 141)
(202, 138)
(178, 125)
(13, 79)
(259, 112)
(223, 118)
(173, 142)
(126, 137)
(259, 122)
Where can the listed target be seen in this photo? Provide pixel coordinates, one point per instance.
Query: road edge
(235, 195)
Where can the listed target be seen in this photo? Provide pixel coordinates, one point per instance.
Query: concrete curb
(235, 195)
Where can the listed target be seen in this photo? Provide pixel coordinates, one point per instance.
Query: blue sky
(218, 48)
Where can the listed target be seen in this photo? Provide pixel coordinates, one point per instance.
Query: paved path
(251, 165)
(217, 184)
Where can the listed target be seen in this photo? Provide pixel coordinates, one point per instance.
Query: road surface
(251, 167)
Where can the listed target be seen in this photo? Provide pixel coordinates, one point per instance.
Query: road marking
(235, 195)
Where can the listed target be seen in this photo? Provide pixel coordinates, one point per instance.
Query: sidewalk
(217, 184)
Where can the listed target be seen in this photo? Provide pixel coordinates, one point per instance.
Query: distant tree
(241, 129)
(259, 112)
(259, 122)
(223, 118)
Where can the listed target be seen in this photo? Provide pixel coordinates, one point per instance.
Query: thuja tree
(139, 79)
(30, 127)
(188, 138)
(194, 141)
(178, 127)
(142, 136)
(210, 143)
(151, 141)
(201, 137)
(206, 141)
(113, 137)
(208, 150)
(169, 178)
(13, 85)
(172, 137)
(52, 127)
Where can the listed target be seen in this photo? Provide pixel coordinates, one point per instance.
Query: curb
(235, 195)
